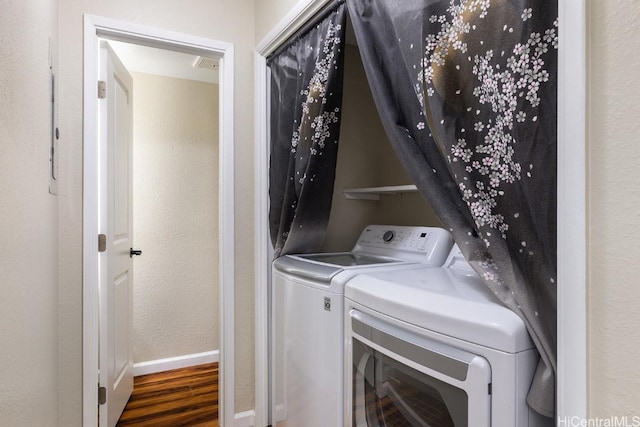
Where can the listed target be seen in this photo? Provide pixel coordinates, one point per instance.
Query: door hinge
(102, 395)
(102, 242)
(102, 89)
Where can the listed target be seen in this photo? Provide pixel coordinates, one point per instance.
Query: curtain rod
(315, 19)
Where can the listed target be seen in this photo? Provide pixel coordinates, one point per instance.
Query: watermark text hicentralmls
(615, 421)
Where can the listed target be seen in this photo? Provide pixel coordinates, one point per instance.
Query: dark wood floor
(182, 397)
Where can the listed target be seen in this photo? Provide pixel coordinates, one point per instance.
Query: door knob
(133, 252)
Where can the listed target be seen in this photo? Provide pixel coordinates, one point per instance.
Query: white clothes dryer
(434, 347)
(308, 314)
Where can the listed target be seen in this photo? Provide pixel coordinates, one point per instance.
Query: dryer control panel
(429, 245)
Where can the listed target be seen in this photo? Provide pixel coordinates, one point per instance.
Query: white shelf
(373, 193)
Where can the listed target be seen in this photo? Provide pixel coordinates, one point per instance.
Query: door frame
(95, 27)
(571, 395)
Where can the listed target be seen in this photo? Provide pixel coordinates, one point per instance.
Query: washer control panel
(406, 242)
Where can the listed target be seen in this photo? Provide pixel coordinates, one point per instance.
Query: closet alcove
(371, 186)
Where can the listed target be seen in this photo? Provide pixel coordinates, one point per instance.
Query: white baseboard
(161, 365)
(244, 419)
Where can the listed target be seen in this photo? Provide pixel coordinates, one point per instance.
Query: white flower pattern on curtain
(466, 90)
(498, 90)
(306, 98)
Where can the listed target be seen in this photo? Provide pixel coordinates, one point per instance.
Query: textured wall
(226, 20)
(614, 207)
(175, 217)
(268, 14)
(360, 137)
(28, 218)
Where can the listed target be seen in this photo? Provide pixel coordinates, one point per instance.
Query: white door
(116, 272)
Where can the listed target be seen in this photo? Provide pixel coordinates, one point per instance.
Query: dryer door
(402, 379)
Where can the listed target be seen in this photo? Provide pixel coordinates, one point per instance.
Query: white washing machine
(434, 347)
(308, 317)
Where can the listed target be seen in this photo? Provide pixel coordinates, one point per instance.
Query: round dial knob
(388, 236)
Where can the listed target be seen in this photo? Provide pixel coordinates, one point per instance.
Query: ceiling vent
(204, 63)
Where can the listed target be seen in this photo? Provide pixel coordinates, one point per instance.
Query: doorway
(100, 28)
(175, 207)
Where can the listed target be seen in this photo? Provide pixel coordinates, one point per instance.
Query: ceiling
(150, 60)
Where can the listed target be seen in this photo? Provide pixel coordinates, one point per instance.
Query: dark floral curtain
(306, 100)
(466, 91)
